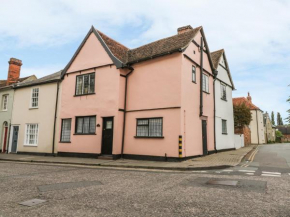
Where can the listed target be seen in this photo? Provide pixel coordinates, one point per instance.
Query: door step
(105, 157)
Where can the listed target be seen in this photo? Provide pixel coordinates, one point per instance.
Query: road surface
(257, 187)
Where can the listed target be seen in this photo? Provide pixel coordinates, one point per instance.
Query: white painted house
(224, 115)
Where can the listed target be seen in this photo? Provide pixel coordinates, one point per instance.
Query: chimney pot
(13, 71)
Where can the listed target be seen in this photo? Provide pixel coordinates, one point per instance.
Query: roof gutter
(125, 109)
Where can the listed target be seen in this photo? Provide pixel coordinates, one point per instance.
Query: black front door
(14, 139)
(204, 137)
(107, 137)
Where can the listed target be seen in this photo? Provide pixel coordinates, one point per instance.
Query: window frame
(206, 84)
(6, 103)
(152, 137)
(193, 73)
(226, 127)
(223, 97)
(64, 119)
(36, 138)
(83, 75)
(76, 125)
(31, 98)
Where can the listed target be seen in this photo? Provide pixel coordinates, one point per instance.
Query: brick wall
(247, 134)
(13, 71)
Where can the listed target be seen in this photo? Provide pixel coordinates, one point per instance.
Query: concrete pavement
(220, 160)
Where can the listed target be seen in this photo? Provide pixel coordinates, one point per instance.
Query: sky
(255, 34)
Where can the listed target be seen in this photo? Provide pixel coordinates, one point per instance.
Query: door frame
(11, 137)
(103, 120)
(5, 135)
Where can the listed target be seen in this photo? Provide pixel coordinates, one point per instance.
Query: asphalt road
(87, 191)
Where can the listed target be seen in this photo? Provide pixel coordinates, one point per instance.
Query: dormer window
(85, 84)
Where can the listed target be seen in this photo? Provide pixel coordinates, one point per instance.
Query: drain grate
(32, 202)
(222, 182)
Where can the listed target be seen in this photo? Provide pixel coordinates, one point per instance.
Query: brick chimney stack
(183, 29)
(249, 97)
(13, 71)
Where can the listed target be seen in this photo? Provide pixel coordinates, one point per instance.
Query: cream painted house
(7, 97)
(257, 124)
(269, 129)
(224, 114)
(34, 114)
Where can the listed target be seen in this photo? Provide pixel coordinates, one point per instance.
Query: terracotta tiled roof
(3, 82)
(118, 50)
(216, 56)
(240, 100)
(165, 45)
(156, 48)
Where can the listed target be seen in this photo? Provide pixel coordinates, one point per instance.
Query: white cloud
(254, 34)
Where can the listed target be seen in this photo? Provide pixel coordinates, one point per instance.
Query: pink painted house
(152, 102)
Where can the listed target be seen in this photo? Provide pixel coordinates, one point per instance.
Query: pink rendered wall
(155, 84)
(191, 122)
(104, 103)
(91, 55)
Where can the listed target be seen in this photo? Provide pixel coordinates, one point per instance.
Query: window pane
(86, 84)
(224, 126)
(109, 125)
(155, 127)
(142, 131)
(79, 85)
(142, 122)
(223, 92)
(86, 125)
(34, 97)
(92, 83)
(193, 74)
(66, 130)
(92, 124)
(79, 125)
(31, 134)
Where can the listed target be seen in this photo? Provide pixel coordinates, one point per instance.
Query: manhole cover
(32, 202)
(222, 182)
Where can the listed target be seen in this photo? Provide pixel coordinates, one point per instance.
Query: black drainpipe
(215, 72)
(257, 126)
(55, 117)
(201, 78)
(125, 107)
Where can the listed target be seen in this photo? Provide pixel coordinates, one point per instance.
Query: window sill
(30, 145)
(63, 142)
(84, 94)
(205, 92)
(194, 82)
(84, 134)
(147, 137)
(31, 108)
(224, 99)
(4, 110)
(225, 133)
